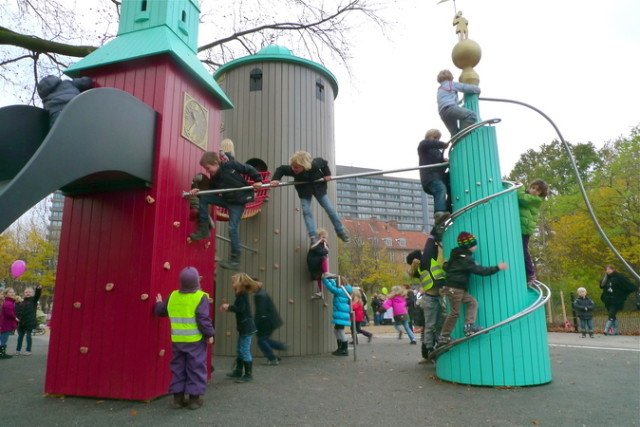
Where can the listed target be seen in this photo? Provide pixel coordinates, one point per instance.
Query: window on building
(319, 90)
(255, 80)
(387, 241)
(402, 242)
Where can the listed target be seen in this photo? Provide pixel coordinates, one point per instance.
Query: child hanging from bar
(305, 170)
(318, 261)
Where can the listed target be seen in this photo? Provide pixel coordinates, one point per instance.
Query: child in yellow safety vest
(191, 329)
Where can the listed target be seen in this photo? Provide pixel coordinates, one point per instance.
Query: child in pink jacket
(396, 300)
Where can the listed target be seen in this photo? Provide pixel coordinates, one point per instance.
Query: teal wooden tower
(515, 353)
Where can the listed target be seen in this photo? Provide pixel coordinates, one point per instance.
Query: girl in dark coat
(583, 305)
(26, 312)
(318, 261)
(267, 321)
(615, 289)
(243, 285)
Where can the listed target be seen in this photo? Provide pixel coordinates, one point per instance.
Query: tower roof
(150, 28)
(275, 53)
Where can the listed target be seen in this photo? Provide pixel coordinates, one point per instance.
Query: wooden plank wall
(122, 239)
(272, 124)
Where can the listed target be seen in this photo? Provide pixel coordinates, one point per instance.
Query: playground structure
(126, 164)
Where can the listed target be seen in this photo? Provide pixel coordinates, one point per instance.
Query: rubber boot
(424, 350)
(3, 353)
(202, 232)
(248, 370)
(195, 402)
(344, 348)
(339, 350)
(178, 401)
(237, 369)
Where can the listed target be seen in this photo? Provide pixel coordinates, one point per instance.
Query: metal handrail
(333, 178)
(544, 293)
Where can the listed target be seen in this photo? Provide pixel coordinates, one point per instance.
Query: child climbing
(583, 305)
(303, 169)
(435, 181)
(26, 312)
(267, 321)
(396, 301)
(458, 270)
(318, 261)
(358, 309)
(56, 93)
(448, 107)
(341, 311)
(227, 150)
(8, 321)
(243, 285)
(191, 329)
(225, 175)
(529, 203)
(425, 267)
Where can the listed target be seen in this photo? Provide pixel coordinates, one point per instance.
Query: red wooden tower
(119, 249)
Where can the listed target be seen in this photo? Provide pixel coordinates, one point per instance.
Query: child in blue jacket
(341, 312)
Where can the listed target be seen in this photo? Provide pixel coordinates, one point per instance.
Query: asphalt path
(596, 382)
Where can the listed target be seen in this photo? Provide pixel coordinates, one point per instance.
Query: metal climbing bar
(333, 178)
(514, 187)
(466, 131)
(544, 293)
(578, 178)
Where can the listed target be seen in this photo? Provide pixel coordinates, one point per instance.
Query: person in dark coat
(583, 305)
(224, 175)
(191, 329)
(615, 289)
(26, 312)
(435, 181)
(56, 93)
(318, 261)
(458, 269)
(267, 321)
(243, 285)
(303, 169)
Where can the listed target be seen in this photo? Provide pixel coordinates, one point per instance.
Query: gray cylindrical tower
(283, 104)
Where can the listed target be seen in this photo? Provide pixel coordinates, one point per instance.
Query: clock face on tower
(195, 122)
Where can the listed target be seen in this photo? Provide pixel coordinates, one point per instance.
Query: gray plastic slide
(102, 141)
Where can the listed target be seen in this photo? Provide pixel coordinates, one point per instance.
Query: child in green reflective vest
(191, 329)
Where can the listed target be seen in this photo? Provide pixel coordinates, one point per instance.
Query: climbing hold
(77, 304)
(207, 244)
(263, 269)
(108, 286)
(161, 353)
(150, 200)
(189, 240)
(255, 240)
(291, 301)
(228, 333)
(478, 183)
(176, 224)
(166, 266)
(297, 249)
(276, 231)
(84, 350)
(144, 297)
(297, 209)
(276, 266)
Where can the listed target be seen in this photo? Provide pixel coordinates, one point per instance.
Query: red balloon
(18, 268)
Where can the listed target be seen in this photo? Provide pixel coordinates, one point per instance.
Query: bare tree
(40, 37)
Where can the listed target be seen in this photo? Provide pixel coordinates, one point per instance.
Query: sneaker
(230, 265)
(470, 329)
(413, 342)
(583, 336)
(344, 237)
(313, 239)
(591, 336)
(274, 362)
(194, 402)
(17, 353)
(26, 353)
(400, 335)
(443, 340)
(202, 232)
(370, 337)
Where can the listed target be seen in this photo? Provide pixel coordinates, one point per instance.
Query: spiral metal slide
(102, 141)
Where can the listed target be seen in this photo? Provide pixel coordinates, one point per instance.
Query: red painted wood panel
(119, 238)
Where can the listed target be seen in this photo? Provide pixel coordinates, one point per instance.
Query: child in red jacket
(358, 310)
(8, 321)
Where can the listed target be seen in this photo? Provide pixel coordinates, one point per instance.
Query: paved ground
(596, 382)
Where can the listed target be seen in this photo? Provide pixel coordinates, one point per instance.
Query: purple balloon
(18, 268)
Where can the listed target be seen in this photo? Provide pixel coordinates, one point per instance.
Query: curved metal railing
(544, 293)
(466, 131)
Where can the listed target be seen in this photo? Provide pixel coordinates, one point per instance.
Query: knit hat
(189, 280)
(466, 240)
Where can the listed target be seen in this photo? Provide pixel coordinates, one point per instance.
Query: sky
(576, 60)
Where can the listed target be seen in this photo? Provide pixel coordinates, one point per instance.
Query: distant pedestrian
(191, 329)
(243, 285)
(615, 289)
(376, 303)
(583, 305)
(26, 312)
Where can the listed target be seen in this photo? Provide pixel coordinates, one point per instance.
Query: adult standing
(615, 289)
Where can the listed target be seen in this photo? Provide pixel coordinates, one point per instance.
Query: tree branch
(36, 44)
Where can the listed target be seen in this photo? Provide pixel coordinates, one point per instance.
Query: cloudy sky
(576, 60)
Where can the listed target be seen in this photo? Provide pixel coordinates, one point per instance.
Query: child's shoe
(443, 340)
(313, 239)
(400, 335)
(273, 362)
(591, 335)
(369, 338)
(316, 295)
(202, 232)
(344, 236)
(178, 401)
(248, 368)
(237, 369)
(470, 329)
(413, 342)
(195, 402)
(583, 335)
(232, 264)
(26, 353)
(531, 280)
